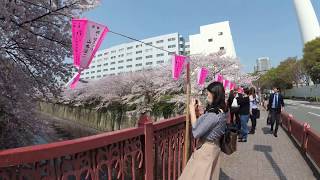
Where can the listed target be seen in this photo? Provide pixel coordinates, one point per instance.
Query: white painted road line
(314, 114)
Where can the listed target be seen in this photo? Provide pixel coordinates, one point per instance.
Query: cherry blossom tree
(149, 87)
(35, 38)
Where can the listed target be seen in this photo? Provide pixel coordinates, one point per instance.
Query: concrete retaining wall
(303, 92)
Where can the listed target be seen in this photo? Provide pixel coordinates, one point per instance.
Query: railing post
(304, 145)
(147, 125)
(289, 123)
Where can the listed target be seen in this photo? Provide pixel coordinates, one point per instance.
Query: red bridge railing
(306, 137)
(149, 151)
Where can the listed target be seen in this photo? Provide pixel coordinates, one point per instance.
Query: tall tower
(309, 25)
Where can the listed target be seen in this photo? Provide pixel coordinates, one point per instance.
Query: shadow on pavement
(267, 150)
(266, 130)
(224, 176)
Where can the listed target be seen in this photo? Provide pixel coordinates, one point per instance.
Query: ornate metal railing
(149, 151)
(306, 137)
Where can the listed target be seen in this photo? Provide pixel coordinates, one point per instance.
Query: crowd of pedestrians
(210, 124)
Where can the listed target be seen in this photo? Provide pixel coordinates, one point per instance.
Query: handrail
(306, 137)
(152, 150)
(34, 153)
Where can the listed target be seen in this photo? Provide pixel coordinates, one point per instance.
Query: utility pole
(187, 135)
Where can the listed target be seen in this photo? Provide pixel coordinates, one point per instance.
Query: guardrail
(149, 151)
(306, 137)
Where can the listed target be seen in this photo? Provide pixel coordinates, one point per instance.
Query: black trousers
(253, 118)
(275, 118)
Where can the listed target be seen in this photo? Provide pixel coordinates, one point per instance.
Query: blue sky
(259, 27)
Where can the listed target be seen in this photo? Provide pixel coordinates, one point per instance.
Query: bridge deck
(266, 157)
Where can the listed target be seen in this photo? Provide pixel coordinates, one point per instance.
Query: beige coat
(204, 163)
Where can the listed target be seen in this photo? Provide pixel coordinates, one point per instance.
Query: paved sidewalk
(265, 157)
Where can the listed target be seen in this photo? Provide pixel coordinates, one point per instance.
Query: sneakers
(242, 140)
(275, 134)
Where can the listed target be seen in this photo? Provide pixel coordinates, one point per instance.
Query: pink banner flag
(225, 83)
(202, 75)
(232, 86)
(78, 33)
(177, 66)
(219, 78)
(87, 37)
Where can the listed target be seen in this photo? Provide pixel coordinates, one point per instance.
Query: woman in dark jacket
(204, 162)
(244, 113)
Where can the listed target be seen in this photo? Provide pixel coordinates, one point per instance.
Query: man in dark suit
(275, 106)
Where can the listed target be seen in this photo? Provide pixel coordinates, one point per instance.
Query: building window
(171, 53)
(140, 64)
(139, 45)
(121, 55)
(82, 73)
(87, 77)
(138, 58)
(93, 66)
(149, 43)
(130, 53)
(105, 70)
(161, 61)
(92, 77)
(160, 41)
(221, 48)
(99, 55)
(148, 50)
(99, 71)
(106, 53)
(129, 47)
(92, 72)
(112, 57)
(171, 46)
(220, 33)
(120, 50)
(149, 63)
(150, 56)
(104, 75)
(159, 55)
(112, 74)
(99, 65)
(171, 39)
(129, 60)
(138, 52)
(120, 67)
(98, 76)
(87, 72)
(112, 69)
(120, 61)
(113, 51)
(210, 40)
(129, 66)
(105, 64)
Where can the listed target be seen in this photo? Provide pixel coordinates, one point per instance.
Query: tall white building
(263, 64)
(212, 38)
(134, 56)
(308, 22)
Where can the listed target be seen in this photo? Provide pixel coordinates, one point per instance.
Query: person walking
(204, 162)
(234, 108)
(275, 107)
(244, 112)
(254, 101)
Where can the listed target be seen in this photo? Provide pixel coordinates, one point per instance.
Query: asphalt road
(304, 111)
